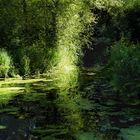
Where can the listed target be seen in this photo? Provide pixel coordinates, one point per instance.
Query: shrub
(5, 61)
(125, 66)
(13, 71)
(38, 59)
(25, 65)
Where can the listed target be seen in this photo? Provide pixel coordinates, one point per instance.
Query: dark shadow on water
(44, 112)
(15, 129)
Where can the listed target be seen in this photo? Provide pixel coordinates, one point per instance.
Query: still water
(44, 111)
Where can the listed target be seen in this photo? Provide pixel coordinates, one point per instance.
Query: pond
(38, 110)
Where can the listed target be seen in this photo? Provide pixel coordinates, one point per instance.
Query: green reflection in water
(70, 112)
(7, 93)
(72, 19)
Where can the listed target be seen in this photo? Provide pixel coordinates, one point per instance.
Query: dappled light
(69, 70)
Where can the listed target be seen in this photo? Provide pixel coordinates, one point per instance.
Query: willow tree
(73, 18)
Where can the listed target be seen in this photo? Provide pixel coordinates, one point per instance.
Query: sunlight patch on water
(6, 94)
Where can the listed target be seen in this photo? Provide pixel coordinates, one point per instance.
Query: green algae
(42, 101)
(9, 110)
(6, 94)
(2, 127)
(131, 133)
(87, 136)
(20, 81)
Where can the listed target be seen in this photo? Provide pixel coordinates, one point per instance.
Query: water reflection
(53, 112)
(15, 129)
(66, 74)
(49, 111)
(70, 111)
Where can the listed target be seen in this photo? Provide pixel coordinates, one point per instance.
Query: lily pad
(131, 133)
(2, 127)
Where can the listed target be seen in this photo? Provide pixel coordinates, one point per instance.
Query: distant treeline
(30, 32)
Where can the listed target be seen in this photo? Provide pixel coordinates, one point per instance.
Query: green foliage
(25, 65)
(72, 21)
(5, 60)
(125, 66)
(131, 4)
(51, 32)
(38, 59)
(13, 71)
(112, 25)
(109, 5)
(127, 21)
(132, 19)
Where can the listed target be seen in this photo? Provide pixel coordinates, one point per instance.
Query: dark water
(15, 129)
(44, 112)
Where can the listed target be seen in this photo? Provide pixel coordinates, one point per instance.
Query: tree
(5, 61)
